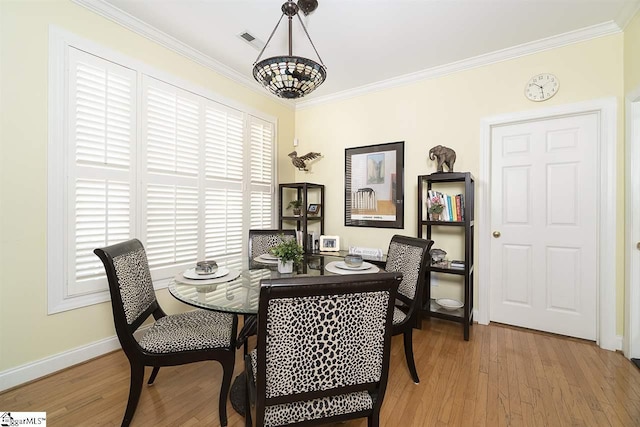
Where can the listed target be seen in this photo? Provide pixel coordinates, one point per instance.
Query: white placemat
(232, 275)
(263, 260)
(331, 267)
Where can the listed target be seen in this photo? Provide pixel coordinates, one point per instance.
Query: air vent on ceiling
(248, 37)
(252, 40)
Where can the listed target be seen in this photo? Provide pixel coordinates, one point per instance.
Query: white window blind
(101, 106)
(224, 177)
(171, 140)
(133, 156)
(261, 172)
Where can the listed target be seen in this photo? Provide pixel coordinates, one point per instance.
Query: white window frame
(57, 233)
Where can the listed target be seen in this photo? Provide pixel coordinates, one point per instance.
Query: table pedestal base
(237, 395)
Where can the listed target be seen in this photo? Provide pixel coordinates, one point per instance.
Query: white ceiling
(368, 42)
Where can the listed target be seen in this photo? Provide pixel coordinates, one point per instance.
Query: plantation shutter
(224, 177)
(261, 173)
(100, 180)
(170, 188)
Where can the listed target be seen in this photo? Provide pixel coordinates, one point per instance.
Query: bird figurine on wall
(299, 162)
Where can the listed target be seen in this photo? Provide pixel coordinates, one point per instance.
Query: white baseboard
(34, 370)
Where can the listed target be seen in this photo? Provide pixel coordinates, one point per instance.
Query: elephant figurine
(445, 156)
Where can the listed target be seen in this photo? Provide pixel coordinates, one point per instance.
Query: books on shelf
(456, 264)
(452, 206)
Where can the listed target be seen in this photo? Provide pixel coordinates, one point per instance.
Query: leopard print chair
(409, 256)
(260, 241)
(172, 339)
(323, 349)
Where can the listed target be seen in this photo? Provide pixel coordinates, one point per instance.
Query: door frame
(606, 110)
(631, 338)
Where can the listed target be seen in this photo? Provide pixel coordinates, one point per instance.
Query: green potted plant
(435, 210)
(296, 204)
(288, 253)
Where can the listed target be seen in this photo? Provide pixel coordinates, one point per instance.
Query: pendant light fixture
(290, 76)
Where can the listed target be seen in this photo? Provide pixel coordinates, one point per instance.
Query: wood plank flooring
(502, 377)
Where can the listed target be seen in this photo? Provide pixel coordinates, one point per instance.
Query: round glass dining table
(241, 295)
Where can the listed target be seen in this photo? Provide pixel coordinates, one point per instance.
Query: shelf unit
(302, 221)
(463, 315)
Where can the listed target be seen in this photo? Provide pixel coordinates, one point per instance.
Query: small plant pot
(435, 217)
(285, 267)
(296, 211)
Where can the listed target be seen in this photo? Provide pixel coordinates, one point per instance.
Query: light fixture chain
(310, 41)
(271, 36)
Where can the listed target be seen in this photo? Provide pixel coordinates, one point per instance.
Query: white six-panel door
(543, 219)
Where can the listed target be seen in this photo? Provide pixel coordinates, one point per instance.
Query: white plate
(263, 260)
(449, 304)
(191, 274)
(268, 257)
(342, 265)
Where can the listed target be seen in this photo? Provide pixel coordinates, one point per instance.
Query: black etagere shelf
(426, 226)
(302, 221)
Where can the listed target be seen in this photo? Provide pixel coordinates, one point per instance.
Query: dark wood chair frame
(139, 358)
(412, 306)
(308, 286)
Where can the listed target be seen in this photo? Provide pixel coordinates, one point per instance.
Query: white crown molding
(565, 39)
(114, 14)
(120, 17)
(627, 13)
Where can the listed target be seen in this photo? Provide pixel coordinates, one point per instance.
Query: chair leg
(408, 351)
(227, 373)
(373, 420)
(154, 373)
(135, 388)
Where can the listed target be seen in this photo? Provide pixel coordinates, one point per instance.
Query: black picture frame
(374, 186)
(313, 209)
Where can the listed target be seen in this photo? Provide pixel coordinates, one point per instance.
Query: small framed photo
(329, 243)
(314, 209)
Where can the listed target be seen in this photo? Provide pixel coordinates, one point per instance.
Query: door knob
(496, 234)
(638, 245)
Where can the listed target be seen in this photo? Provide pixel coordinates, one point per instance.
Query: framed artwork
(374, 186)
(314, 209)
(329, 243)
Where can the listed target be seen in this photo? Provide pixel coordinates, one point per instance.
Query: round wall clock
(541, 87)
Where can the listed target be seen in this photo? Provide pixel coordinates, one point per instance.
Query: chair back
(260, 241)
(323, 337)
(409, 255)
(133, 299)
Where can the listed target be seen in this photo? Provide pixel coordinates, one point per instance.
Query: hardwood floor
(502, 377)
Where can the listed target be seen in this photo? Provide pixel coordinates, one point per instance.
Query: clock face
(542, 87)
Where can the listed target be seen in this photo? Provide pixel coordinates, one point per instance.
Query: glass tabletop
(241, 295)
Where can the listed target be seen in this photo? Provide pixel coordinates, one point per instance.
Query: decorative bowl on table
(206, 267)
(353, 260)
(449, 304)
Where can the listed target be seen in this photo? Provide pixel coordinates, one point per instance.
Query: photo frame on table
(313, 209)
(329, 243)
(374, 186)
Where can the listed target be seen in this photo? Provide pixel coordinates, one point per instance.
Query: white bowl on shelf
(449, 304)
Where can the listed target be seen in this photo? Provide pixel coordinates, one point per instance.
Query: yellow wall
(27, 333)
(448, 111)
(632, 54)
